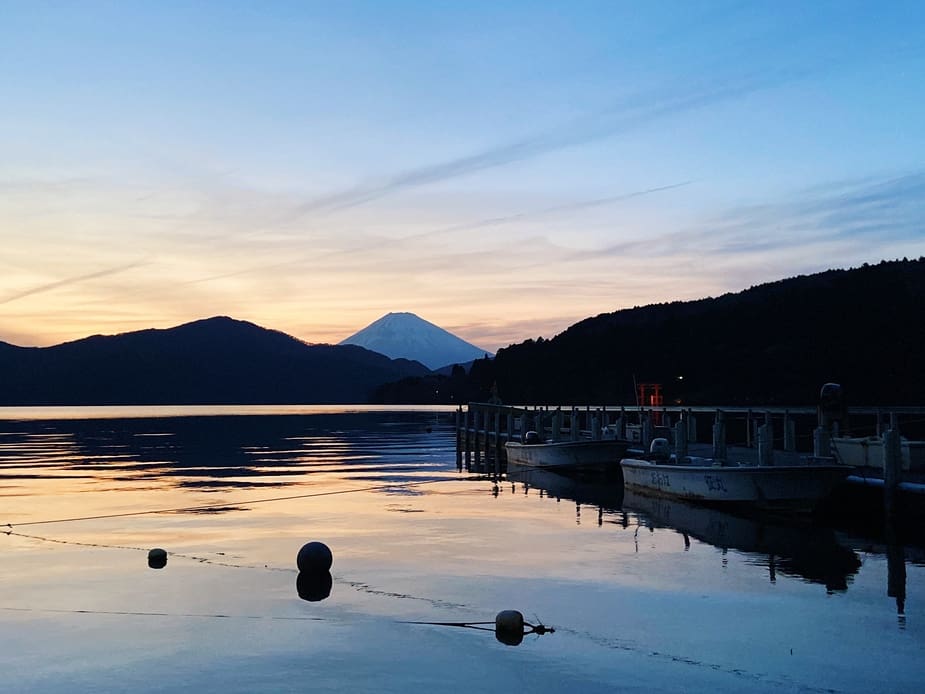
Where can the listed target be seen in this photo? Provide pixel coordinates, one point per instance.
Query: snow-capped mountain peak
(405, 335)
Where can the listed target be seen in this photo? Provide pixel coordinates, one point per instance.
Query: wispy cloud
(870, 210)
(71, 281)
(543, 212)
(630, 113)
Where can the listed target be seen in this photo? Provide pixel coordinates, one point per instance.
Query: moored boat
(795, 487)
(867, 451)
(567, 454)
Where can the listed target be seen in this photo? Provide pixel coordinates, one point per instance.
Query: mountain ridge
(772, 344)
(218, 360)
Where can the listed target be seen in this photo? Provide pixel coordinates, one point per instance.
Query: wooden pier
(763, 435)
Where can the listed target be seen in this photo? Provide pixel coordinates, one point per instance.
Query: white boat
(798, 487)
(867, 451)
(567, 454)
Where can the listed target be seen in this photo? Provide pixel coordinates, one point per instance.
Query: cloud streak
(632, 112)
(890, 208)
(72, 281)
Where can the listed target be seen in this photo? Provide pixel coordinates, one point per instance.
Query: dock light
(314, 558)
(157, 558)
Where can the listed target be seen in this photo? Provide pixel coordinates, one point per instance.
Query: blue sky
(501, 169)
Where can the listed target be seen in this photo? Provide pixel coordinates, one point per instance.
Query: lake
(643, 594)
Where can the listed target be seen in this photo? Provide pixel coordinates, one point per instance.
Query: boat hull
(567, 454)
(868, 452)
(792, 486)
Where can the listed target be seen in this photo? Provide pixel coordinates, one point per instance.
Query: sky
(501, 169)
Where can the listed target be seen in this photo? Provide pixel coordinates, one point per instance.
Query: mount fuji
(406, 336)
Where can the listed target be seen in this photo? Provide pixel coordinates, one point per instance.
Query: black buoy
(314, 586)
(314, 557)
(509, 627)
(157, 558)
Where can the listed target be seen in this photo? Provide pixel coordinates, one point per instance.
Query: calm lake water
(644, 594)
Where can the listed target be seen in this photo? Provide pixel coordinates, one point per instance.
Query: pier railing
(482, 428)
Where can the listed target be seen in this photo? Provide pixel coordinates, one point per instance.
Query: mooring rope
(206, 507)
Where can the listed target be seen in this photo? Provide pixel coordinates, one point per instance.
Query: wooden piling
(647, 434)
(892, 465)
(764, 442)
(499, 445)
(790, 433)
(475, 439)
(719, 436)
(822, 443)
(680, 438)
(691, 426)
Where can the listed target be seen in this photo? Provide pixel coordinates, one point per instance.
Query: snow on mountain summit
(407, 336)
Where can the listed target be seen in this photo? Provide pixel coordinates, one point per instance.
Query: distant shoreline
(143, 411)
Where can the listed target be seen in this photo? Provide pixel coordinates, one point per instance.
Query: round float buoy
(314, 586)
(157, 558)
(509, 627)
(315, 557)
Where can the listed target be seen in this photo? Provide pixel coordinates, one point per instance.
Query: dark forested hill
(775, 343)
(217, 360)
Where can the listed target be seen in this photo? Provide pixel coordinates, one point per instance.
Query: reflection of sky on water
(655, 597)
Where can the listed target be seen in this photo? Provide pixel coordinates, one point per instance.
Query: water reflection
(785, 546)
(603, 489)
(314, 586)
(218, 453)
(509, 627)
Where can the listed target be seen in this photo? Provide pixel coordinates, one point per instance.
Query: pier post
(719, 436)
(557, 425)
(467, 448)
(488, 446)
(790, 433)
(459, 438)
(475, 441)
(646, 429)
(498, 445)
(691, 426)
(892, 465)
(539, 424)
(765, 443)
(523, 425)
(573, 424)
(680, 438)
(822, 443)
(596, 426)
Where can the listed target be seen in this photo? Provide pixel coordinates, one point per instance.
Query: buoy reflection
(509, 627)
(314, 586)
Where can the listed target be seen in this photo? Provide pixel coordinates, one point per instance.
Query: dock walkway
(755, 435)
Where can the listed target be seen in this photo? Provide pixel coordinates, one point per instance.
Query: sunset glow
(501, 171)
